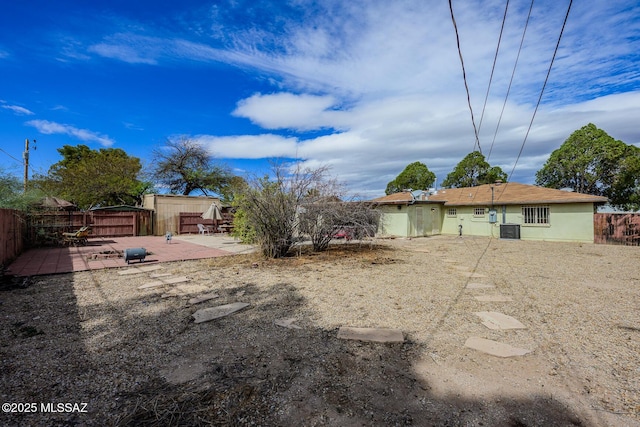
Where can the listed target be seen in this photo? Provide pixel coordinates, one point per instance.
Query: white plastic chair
(202, 229)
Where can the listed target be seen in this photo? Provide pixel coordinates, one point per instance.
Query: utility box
(493, 216)
(510, 231)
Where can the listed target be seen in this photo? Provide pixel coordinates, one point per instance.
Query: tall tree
(415, 176)
(90, 177)
(474, 170)
(185, 166)
(592, 162)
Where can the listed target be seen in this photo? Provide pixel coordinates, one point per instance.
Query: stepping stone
(207, 314)
(152, 285)
(495, 348)
(461, 268)
(137, 270)
(495, 320)
(157, 275)
(371, 334)
(148, 268)
(493, 298)
(287, 323)
(479, 286)
(203, 298)
(162, 282)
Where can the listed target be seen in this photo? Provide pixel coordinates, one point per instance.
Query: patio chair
(76, 237)
(202, 229)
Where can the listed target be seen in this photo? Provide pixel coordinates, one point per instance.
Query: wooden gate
(617, 228)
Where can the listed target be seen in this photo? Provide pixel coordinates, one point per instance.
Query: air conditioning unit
(510, 231)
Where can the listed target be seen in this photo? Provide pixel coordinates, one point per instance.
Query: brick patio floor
(95, 255)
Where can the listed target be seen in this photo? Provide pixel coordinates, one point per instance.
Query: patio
(107, 252)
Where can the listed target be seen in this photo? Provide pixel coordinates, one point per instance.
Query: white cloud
(249, 146)
(46, 127)
(21, 111)
(381, 81)
(289, 111)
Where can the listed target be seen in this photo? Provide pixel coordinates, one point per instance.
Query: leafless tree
(291, 205)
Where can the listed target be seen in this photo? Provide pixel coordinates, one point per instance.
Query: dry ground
(136, 358)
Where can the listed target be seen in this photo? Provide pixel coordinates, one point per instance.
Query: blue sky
(365, 87)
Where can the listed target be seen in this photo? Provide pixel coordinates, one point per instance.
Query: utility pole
(25, 156)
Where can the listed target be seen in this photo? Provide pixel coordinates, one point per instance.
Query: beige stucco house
(508, 210)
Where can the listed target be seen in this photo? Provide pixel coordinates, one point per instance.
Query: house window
(452, 212)
(535, 214)
(478, 212)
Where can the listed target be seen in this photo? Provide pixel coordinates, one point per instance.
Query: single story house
(508, 210)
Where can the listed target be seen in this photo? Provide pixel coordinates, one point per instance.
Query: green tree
(473, 170)
(415, 176)
(592, 162)
(90, 177)
(185, 166)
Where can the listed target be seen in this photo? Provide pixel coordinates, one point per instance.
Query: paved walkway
(107, 253)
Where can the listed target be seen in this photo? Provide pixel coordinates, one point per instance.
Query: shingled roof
(510, 193)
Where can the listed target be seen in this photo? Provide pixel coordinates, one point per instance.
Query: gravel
(130, 356)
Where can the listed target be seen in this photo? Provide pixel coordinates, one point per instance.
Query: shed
(404, 215)
(167, 208)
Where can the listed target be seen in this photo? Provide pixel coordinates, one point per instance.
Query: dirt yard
(120, 354)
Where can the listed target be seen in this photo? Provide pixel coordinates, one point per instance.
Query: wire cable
(464, 77)
(515, 65)
(493, 67)
(555, 52)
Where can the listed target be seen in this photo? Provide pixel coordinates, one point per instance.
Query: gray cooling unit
(509, 231)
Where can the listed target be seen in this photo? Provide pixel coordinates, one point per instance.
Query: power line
(464, 77)
(555, 52)
(515, 65)
(493, 67)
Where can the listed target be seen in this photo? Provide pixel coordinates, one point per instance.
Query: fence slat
(617, 228)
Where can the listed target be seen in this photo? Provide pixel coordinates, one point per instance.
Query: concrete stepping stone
(371, 334)
(150, 285)
(162, 282)
(207, 314)
(138, 270)
(479, 286)
(495, 348)
(495, 320)
(158, 275)
(203, 298)
(493, 298)
(287, 323)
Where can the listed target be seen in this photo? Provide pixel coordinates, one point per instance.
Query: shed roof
(510, 193)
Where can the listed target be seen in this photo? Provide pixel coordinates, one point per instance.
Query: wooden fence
(617, 228)
(189, 222)
(45, 228)
(12, 229)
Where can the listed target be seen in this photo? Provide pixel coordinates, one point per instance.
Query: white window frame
(479, 212)
(536, 215)
(452, 212)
